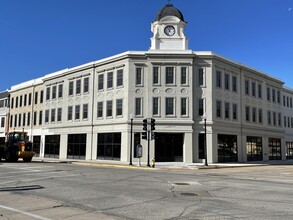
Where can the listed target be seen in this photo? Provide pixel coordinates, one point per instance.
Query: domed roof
(169, 10)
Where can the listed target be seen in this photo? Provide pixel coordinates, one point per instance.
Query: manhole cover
(188, 194)
(182, 184)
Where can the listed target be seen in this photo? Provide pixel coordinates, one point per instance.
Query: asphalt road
(68, 191)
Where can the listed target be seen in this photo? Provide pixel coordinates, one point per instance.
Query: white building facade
(86, 111)
(4, 112)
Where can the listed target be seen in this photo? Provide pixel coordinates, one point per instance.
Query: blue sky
(38, 37)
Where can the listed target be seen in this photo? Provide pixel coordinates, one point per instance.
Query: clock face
(169, 30)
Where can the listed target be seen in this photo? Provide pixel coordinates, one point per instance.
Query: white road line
(24, 213)
(36, 179)
(25, 171)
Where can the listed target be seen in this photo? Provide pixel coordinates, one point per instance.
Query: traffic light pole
(148, 137)
(148, 127)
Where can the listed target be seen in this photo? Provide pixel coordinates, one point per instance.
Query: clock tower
(168, 30)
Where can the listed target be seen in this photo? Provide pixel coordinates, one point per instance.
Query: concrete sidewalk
(163, 165)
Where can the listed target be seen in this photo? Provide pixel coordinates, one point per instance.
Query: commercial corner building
(84, 112)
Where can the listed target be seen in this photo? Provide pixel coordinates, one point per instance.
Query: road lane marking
(24, 213)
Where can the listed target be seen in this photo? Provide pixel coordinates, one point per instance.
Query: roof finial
(169, 2)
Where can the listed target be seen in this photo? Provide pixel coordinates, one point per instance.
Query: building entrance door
(169, 147)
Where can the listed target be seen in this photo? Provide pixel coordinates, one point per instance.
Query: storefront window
(109, 146)
(274, 148)
(52, 146)
(254, 148)
(76, 146)
(227, 148)
(289, 150)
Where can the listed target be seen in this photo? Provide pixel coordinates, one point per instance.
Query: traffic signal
(153, 123)
(145, 124)
(153, 135)
(144, 135)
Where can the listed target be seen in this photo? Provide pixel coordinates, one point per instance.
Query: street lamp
(131, 126)
(205, 141)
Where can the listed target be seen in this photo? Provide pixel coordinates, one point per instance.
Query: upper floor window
(25, 100)
(138, 76)
(253, 89)
(69, 113)
(259, 91)
(170, 106)
(138, 106)
(169, 75)
(273, 95)
(119, 107)
(109, 108)
(15, 120)
(16, 102)
(2, 122)
(77, 112)
(268, 94)
(101, 82)
(2, 104)
(284, 100)
(247, 113)
(110, 80)
(59, 114)
(100, 110)
(219, 79)
(155, 106)
(23, 119)
(183, 106)
(19, 120)
(260, 115)
(234, 83)
(30, 98)
(54, 92)
(48, 93)
(227, 110)
(60, 90)
(42, 97)
(11, 121)
(35, 118)
(120, 77)
(85, 110)
(279, 97)
(20, 101)
(155, 75)
(246, 87)
(29, 118)
(219, 109)
(200, 76)
(86, 85)
(53, 115)
(227, 81)
(36, 97)
(46, 116)
(234, 113)
(40, 117)
(70, 89)
(274, 119)
(269, 117)
(253, 114)
(183, 75)
(78, 86)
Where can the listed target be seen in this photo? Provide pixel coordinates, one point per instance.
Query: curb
(124, 166)
(114, 165)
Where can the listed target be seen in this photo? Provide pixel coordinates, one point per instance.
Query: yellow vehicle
(17, 146)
